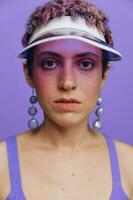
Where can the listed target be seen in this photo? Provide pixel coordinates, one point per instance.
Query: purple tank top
(17, 193)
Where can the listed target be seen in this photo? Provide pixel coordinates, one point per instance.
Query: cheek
(44, 83)
(90, 88)
(90, 82)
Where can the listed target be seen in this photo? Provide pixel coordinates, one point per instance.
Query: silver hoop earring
(32, 111)
(97, 125)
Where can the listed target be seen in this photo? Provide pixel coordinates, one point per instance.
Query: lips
(70, 100)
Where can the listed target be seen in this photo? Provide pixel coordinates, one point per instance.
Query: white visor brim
(66, 28)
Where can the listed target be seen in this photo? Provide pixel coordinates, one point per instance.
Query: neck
(72, 138)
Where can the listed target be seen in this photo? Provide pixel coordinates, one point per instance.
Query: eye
(87, 64)
(48, 64)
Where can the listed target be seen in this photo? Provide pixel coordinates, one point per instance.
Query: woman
(67, 49)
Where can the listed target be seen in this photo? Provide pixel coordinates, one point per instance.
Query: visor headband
(66, 27)
(66, 22)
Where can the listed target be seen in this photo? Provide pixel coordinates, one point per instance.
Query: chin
(68, 120)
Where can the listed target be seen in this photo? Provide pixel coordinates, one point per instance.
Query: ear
(105, 76)
(29, 80)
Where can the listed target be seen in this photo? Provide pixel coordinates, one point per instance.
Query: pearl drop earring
(33, 123)
(97, 125)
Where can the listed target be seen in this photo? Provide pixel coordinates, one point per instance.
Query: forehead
(69, 47)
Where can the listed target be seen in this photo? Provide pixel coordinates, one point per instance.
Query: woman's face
(65, 70)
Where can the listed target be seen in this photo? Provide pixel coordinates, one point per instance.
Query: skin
(72, 75)
(65, 159)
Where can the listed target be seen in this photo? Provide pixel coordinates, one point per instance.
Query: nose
(67, 78)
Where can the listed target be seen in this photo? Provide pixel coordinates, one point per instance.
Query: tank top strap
(116, 179)
(117, 190)
(14, 169)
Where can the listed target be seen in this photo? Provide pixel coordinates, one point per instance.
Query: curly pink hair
(73, 8)
(57, 8)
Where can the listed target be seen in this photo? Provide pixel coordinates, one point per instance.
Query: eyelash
(46, 61)
(89, 61)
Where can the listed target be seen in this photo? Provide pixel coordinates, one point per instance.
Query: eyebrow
(52, 53)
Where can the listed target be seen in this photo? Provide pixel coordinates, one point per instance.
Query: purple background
(117, 93)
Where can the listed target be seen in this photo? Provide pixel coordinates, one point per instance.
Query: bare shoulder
(125, 148)
(125, 155)
(125, 151)
(3, 145)
(3, 157)
(3, 167)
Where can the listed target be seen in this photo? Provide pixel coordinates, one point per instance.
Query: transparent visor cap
(67, 28)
